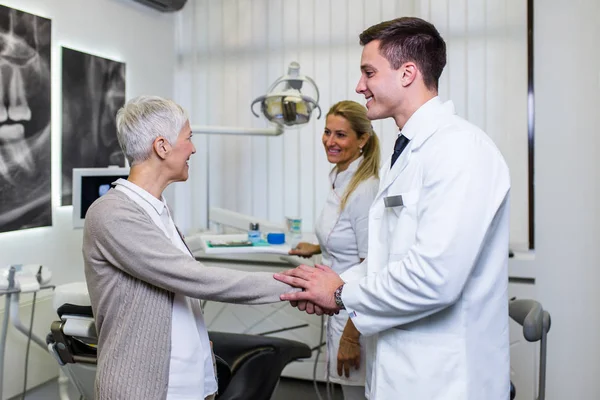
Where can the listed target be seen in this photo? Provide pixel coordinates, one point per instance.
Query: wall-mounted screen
(89, 184)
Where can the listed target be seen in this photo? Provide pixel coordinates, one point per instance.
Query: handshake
(318, 286)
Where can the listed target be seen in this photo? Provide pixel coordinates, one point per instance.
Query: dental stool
(248, 366)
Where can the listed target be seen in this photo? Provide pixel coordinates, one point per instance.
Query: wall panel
(242, 46)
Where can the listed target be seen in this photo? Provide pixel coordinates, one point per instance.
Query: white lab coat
(343, 238)
(434, 299)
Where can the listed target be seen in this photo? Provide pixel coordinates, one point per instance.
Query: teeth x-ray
(93, 90)
(25, 195)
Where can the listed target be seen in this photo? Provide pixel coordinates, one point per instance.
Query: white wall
(567, 168)
(230, 51)
(117, 29)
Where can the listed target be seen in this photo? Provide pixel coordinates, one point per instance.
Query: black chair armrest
(223, 373)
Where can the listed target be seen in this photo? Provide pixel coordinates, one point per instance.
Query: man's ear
(409, 73)
(161, 147)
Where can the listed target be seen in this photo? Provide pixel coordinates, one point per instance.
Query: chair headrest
(75, 293)
(71, 309)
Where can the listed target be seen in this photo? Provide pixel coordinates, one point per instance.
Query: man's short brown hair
(410, 39)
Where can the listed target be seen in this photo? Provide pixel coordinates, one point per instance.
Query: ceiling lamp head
(287, 102)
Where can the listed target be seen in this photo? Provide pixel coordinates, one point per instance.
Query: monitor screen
(93, 187)
(89, 184)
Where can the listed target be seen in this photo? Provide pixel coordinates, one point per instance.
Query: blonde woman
(342, 229)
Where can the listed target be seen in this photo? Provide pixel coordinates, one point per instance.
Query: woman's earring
(360, 149)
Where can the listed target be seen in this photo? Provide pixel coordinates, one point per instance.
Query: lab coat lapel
(399, 166)
(426, 122)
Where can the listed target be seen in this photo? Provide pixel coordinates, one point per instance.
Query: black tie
(401, 143)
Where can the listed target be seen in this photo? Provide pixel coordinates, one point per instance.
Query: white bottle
(294, 231)
(254, 233)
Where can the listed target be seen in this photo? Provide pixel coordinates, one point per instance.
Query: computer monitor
(88, 185)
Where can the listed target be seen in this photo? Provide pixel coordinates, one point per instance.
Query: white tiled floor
(48, 391)
(288, 389)
(296, 389)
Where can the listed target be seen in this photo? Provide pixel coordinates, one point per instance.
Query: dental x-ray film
(25, 192)
(93, 90)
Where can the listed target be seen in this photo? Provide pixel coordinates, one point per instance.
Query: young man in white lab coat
(432, 293)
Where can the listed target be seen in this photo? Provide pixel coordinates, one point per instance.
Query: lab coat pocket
(402, 220)
(427, 365)
(400, 202)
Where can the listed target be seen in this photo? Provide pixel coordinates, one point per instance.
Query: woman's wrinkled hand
(305, 250)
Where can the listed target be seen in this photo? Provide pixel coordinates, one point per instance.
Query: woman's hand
(349, 350)
(305, 250)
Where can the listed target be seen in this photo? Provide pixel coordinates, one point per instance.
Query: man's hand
(349, 350)
(310, 308)
(319, 284)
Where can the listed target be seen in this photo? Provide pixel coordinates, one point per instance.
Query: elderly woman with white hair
(143, 281)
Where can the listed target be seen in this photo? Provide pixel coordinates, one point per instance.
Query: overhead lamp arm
(276, 130)
(286, 107)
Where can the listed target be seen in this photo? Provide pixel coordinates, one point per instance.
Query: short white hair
(142, 119)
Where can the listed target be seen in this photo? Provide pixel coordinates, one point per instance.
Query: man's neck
(411, 105)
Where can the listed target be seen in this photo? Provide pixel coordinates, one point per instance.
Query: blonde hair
(356, 115)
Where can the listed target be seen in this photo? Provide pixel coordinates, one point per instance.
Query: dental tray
(238, 243)
(231, 243)
(235, 243)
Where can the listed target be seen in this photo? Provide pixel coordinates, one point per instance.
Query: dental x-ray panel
(93, 90)
(25, 193)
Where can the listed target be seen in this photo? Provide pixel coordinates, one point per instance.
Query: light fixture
(284, 105)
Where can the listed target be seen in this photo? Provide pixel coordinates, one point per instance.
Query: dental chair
(248, 366)
(536, 325)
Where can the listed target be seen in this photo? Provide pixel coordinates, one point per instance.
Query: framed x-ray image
(93, 90)
(25, 189)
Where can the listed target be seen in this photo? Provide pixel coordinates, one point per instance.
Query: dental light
(284, 105)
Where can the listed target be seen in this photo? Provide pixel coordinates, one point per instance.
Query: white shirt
(343, 238)
(191, 372)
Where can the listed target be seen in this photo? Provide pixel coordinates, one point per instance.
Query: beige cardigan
(132, 270)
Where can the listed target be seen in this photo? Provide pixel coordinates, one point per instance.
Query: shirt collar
(341, 178)
(157, 204)
(423, 114)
